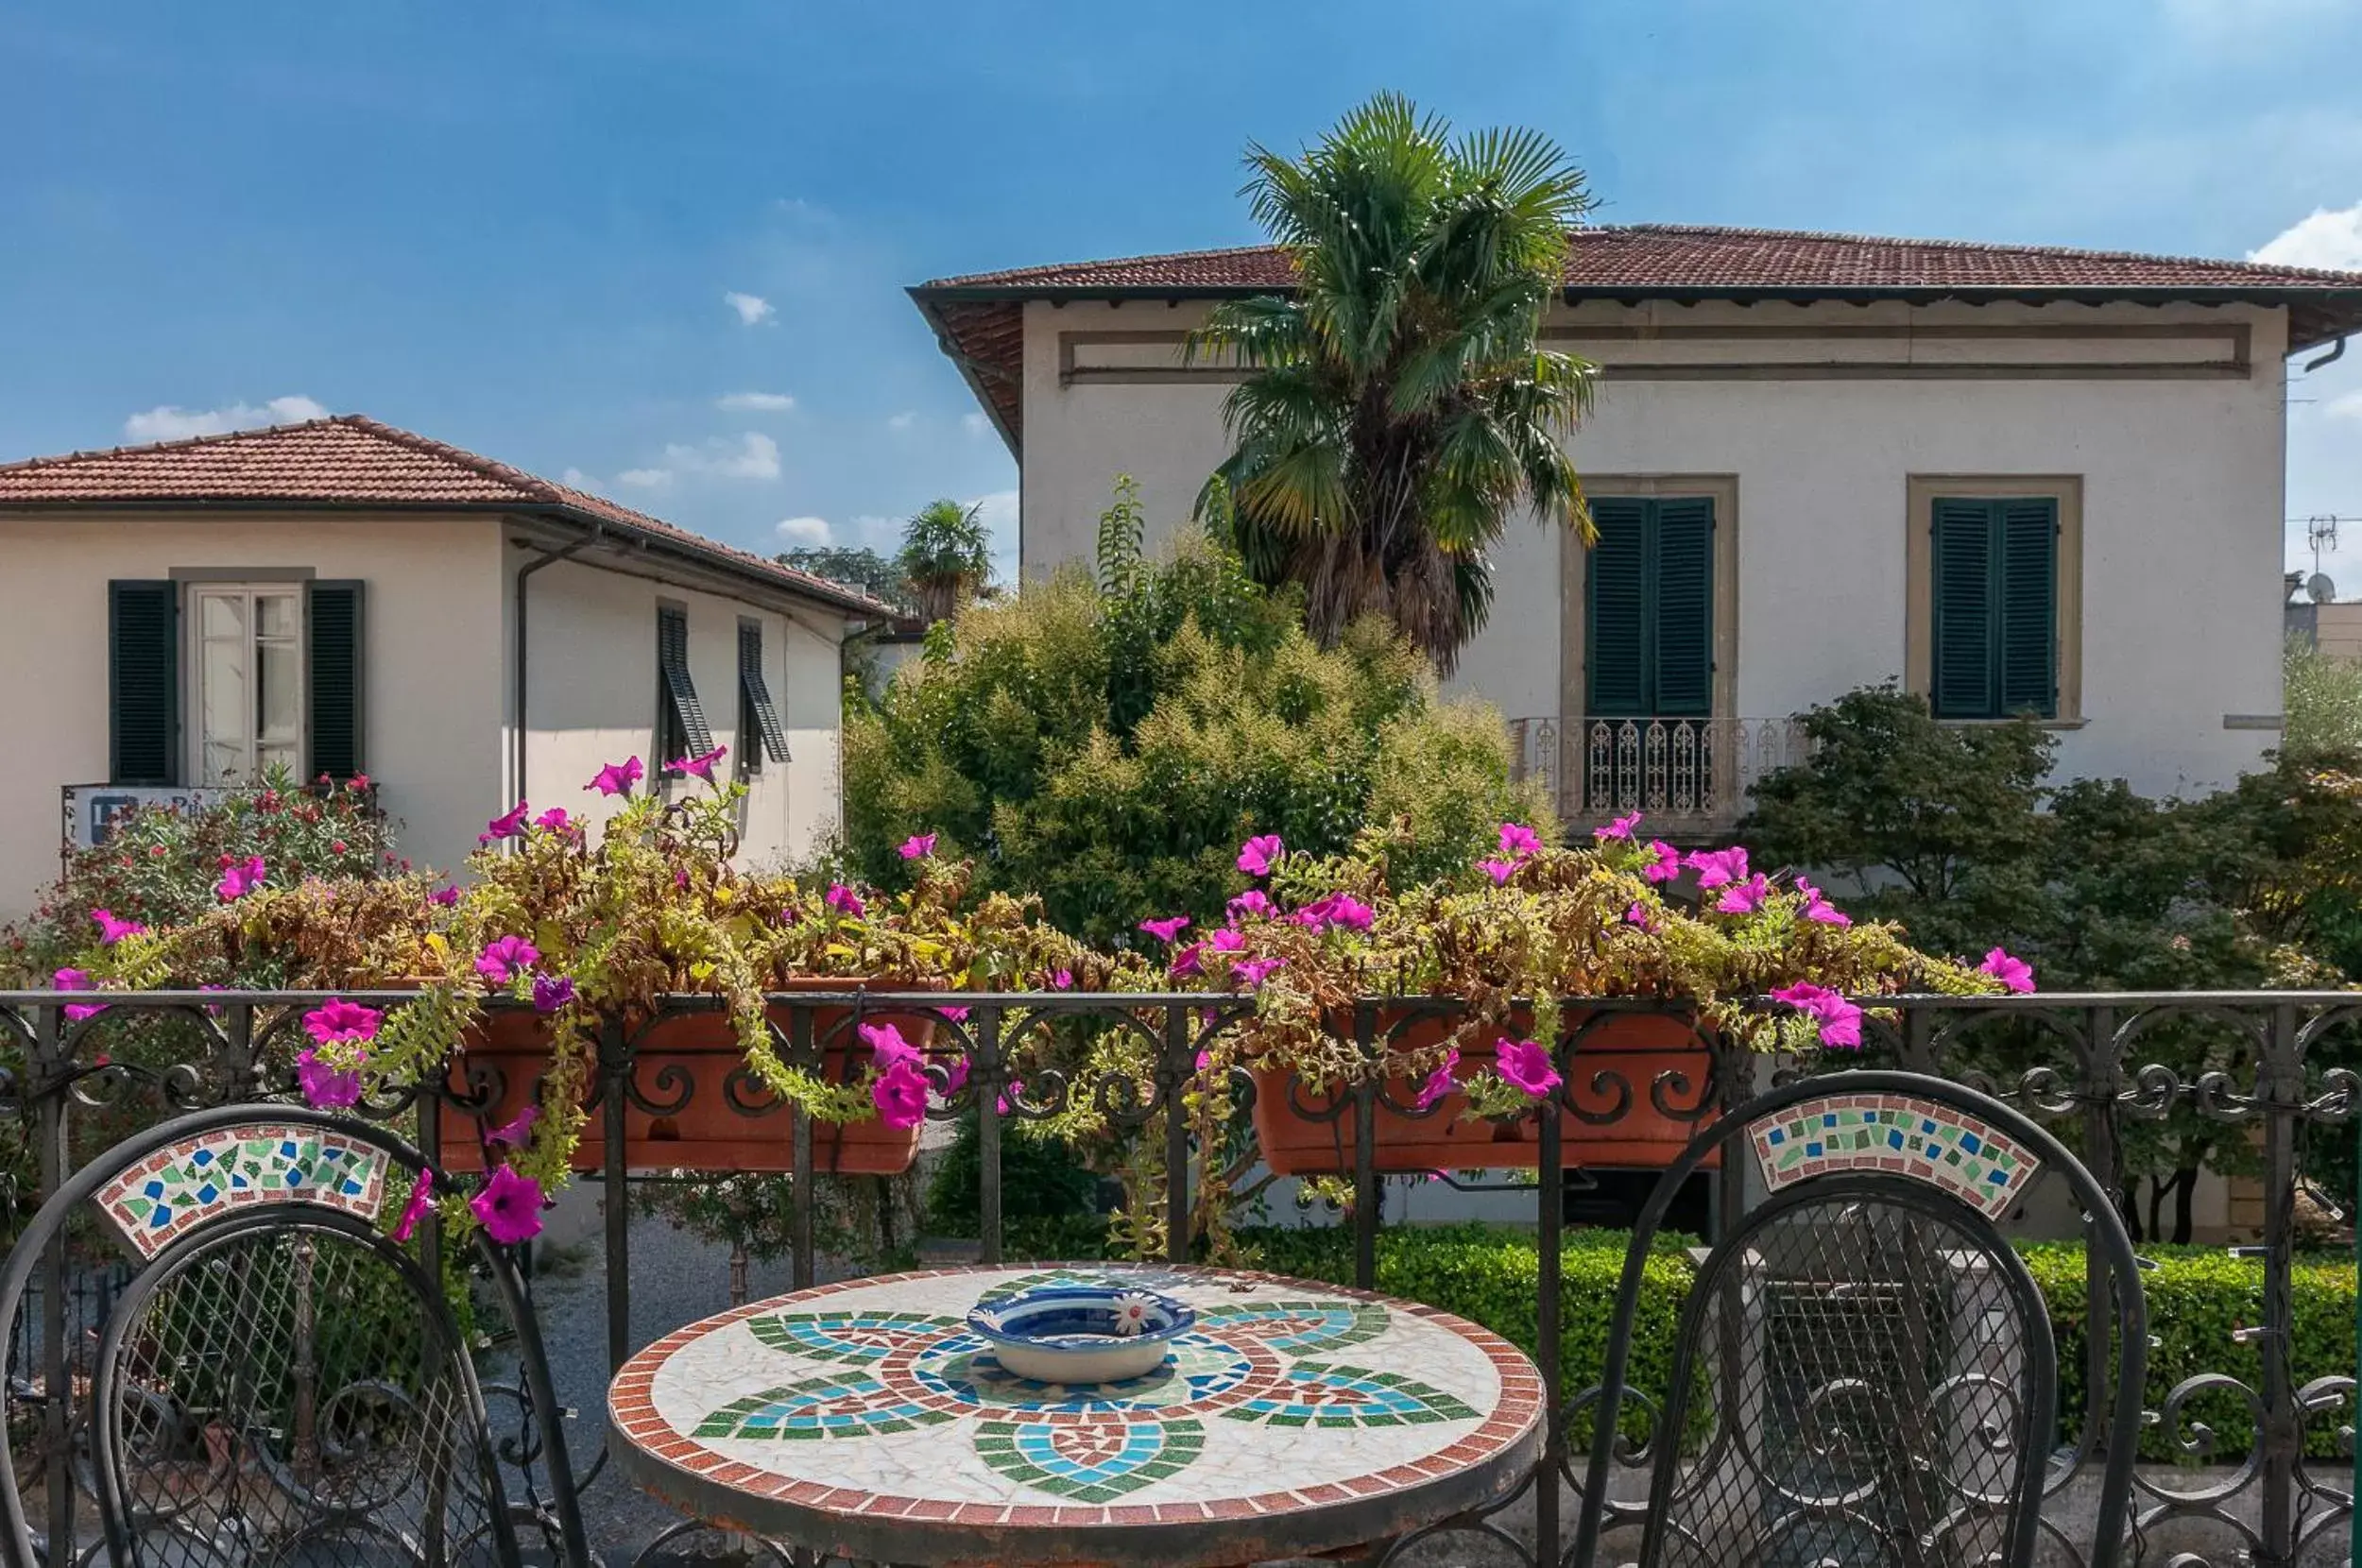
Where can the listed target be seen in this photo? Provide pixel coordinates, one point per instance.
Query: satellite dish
(2322, 589)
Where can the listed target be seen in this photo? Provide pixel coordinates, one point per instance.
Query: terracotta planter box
(1637, 1046)
(698, 1051)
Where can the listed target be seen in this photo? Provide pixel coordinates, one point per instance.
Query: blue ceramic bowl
(1082, 1333)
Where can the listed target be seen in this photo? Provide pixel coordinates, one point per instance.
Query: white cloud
(753, 455)
(806, 531)
(901, 421)
(752, 309)
(975, 424)
(167, 423)
(2331, 238)
(754, 403)
(646, 479)
(2346, 407)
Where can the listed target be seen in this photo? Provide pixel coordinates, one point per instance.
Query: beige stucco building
(2011, 477)
(344, 597)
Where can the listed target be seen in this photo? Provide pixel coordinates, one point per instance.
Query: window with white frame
(247, 679)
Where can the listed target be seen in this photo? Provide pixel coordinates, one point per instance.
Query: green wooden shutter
(144, 682)
(679, 693)
(334, 611)
(1960, 683)
(759, 727)
(2027, 593)
(1616, 607)
(1682, 609)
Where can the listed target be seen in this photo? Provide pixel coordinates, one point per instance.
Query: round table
(864, 1419)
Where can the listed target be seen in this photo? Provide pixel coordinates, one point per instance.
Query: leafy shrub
(2321, 703)
(1108, 744)
(1040, 1181)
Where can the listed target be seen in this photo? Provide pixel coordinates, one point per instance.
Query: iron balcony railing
(1690, 776)
(2262, 1074)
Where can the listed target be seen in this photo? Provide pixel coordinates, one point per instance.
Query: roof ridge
(1202, 254)
(533, 485)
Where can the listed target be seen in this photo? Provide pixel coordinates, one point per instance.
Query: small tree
(855, 566)
(946, 559)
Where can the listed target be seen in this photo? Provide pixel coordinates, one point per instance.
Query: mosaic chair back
(1864, 1371)
(283, 1378)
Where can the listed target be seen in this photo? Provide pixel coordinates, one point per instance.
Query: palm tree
(947, 558)
(1397, 405)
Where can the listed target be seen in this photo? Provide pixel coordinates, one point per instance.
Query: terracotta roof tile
(1684, 256)
(353, 461)
(979, 316)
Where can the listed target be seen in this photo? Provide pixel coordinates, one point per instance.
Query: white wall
(591, 695)
(433, 660)
(2182, 496)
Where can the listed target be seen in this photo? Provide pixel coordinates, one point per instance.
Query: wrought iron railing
(1691, 776)
(2260, 1076)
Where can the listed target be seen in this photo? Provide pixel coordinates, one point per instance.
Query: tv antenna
(2320, 535)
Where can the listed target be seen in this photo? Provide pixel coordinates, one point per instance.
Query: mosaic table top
(865, 1418)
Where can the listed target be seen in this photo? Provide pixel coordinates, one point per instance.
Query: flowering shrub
(162, 866)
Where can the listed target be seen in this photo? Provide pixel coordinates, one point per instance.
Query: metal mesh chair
(1864, 1371)
(280, 1380)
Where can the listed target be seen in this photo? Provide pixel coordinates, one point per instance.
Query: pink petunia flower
(551, 992)
(1261, 853)
(698, 767)
(1251, 972)
(1443, 1081)
(900, 1093)
(1186, 960)
(555, 819)
(616, 778)
(504, 958)
(1500, 871)
(112, 930)
(1840, 1020)
(509, 1207)
(1228, 940)
(1253, 901)
(239, 880)
(1518, 841)
(1638, 915)
(76, 980)
(1745, 898)
(2014, 974)
(1011, 1098)
(1062, 981)
(422, 1200)
(1620, 829)
(1167, 928)
(509, 824)
(1664, 861)
(517, 1129)
(918, 847)
(329, 1088)
(845, 901)
(957, 1015)
(955, 1077)
(1818, 908)
(445, 896)
(1720, 867)
(1524, 1066)
(887, 1045)
(338, 1019)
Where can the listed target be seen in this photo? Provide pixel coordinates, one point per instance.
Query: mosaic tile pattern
(871, 1397)
(1898, 1134)
(208, 1175)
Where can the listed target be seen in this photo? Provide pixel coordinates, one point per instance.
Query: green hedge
(1490, 1275)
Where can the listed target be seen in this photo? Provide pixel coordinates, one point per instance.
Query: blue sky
(519, 228)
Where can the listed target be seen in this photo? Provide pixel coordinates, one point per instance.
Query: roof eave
(714, 560)
(924, 297)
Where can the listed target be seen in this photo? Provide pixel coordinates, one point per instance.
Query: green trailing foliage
(1108, 740)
